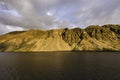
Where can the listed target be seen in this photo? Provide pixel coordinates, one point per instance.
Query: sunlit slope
(94, 38)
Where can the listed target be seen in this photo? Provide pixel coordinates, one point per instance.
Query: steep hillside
(93, 38)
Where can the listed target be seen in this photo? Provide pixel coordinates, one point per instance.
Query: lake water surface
(60, 66)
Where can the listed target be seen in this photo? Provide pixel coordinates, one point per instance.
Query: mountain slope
(94, 38)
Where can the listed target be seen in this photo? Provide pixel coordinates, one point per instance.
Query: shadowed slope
(93, 38)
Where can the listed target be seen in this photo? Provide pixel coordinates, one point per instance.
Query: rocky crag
(92, 38)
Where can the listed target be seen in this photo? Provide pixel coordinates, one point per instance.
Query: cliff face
(94, 38)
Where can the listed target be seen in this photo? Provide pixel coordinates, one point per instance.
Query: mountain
(92, 38)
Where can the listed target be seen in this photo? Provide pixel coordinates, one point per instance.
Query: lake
(60, 66)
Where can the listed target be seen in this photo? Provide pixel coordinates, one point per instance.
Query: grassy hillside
(93, 38)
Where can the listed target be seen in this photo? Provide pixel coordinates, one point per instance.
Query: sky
(53, 14)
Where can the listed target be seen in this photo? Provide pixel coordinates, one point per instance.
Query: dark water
(60, 66)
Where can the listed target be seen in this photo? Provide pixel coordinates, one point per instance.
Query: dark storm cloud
(49, 14)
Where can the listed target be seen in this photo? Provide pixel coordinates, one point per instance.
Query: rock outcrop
(93, 38)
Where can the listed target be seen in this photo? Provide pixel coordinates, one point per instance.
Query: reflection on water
(60, 66)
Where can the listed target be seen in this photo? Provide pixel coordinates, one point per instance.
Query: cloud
(49, 14)
(7, 28)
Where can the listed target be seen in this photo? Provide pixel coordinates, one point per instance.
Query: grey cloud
(98, 12)
(63, 13)
(7, 28)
